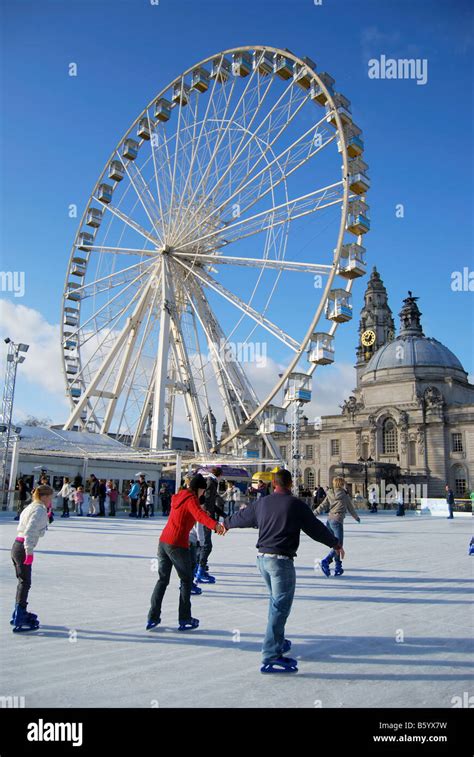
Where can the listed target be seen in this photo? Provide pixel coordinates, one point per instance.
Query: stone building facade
(410, 419)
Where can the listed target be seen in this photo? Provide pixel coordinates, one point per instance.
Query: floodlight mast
(13, 359)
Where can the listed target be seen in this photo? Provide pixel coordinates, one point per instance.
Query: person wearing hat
(174, 551)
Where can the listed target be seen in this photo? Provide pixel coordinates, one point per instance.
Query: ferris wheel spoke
(124, 371)
(243, 307)
(283, 174)
(109, 360)
(267, 219)
(244, 143)
(90, 285)
(153, 137)
(146, 198)
(229, 393)
(210, 162)
(106, 306)
(281, 265)
(129, 221)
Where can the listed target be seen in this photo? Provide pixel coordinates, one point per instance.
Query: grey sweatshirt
(338, 503)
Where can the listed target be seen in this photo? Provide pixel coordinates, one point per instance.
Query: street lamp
(367, 463)
(13, 359)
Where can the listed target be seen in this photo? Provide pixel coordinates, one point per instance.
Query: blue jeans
(280, 577)
(337, 529)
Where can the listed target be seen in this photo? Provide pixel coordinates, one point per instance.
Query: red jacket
(185, 511)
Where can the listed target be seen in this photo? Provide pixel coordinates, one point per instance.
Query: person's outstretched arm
(322, 507)
(245, 518)
(351, 508)
(315, 529)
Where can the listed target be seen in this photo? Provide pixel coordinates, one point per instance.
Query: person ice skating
(400, 503)
(165, 499)
(232, 496)
(33, 524)
(280, 517)
(173, 551)
(23, 494)
(150, 499)
(113, 497)
(373, 500)
(65, 494)
(212, 506)
(93, 496)
(338, 503)
(450, 501)
(142, 498)
(102, 494)
(79, 500)
(133, 495)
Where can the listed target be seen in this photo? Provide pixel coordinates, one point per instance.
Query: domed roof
(412, 348)
(410, 351)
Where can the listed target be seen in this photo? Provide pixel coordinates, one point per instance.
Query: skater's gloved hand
(28, 560)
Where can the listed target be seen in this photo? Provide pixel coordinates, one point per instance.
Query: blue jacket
(450, 497)
(280, 519)
(134, 491)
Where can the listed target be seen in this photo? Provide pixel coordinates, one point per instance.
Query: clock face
(368, 338)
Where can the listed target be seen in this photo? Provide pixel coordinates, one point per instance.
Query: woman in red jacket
(173, 550)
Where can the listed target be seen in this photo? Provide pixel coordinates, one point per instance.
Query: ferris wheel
(238, 189)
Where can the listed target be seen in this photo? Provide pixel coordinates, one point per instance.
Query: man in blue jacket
(280, 518)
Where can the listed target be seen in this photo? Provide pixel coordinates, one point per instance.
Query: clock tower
(376, 325)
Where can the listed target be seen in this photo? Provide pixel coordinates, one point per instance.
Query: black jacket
(280, 519)
(212, 499)
(94, 490)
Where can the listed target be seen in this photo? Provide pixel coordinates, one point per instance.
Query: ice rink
(394, 631)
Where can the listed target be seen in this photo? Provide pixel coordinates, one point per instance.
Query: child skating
(33, 524)
(338, 502)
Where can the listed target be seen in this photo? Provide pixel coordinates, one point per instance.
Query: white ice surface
(92, 580)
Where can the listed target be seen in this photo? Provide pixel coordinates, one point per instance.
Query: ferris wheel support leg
(158, 416)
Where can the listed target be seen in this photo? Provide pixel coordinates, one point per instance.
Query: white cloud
(43, 360)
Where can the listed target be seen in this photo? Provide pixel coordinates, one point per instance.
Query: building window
(309, 452)
(412, 453)
(335, 447)
(283, 452)
(460, 482)
(456, 442)
(390, 445)
(309, 478)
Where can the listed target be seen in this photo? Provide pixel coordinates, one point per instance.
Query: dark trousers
(133, 506)
(102, 506)
(206, 548)
(142, 506)
(21, 506)
(23, 573)
(112, 506)
(65, 505)
(194, 550)
(165, 505)
(180, 558)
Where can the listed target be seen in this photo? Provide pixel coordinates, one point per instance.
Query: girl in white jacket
(33, 524)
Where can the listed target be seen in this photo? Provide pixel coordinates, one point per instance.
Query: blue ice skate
(286, 646)
(30, 615)
(195, 589)
(280, 665)
(203, 577)
(23, 621)
(188, 625)
(324, 565)
(339, 569)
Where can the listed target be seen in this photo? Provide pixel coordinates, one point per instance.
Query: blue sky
(58, 132)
